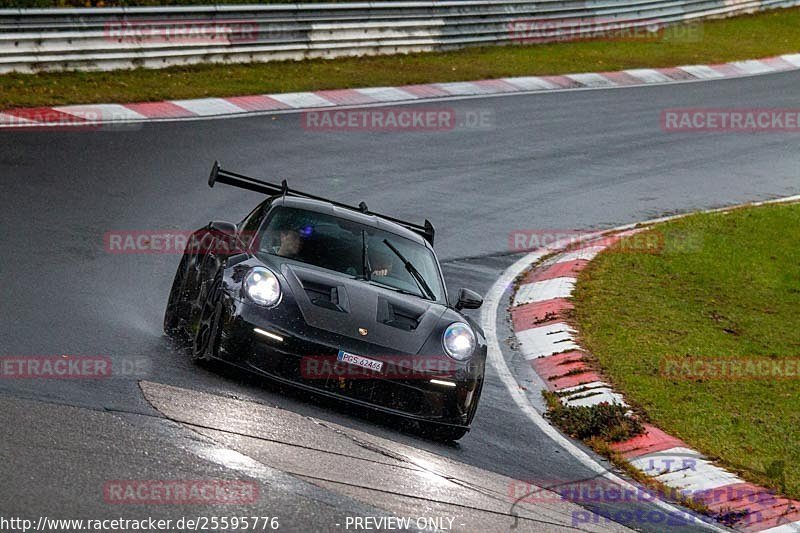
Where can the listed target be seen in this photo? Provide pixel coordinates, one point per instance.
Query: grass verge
(604, 421)
(745, 37)
(724, 286)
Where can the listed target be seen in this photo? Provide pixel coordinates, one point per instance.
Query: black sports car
(333, 299)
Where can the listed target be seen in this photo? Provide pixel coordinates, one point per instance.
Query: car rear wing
(220, 175)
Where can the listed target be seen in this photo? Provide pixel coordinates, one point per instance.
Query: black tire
(173, 316)
(443, 433)
(205, 344)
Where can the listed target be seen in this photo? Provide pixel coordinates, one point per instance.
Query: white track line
(302, 101)
(111, 113)
(752, 66)
(704, 72)
(592, 79)
(205, 107)
(544, 341)
(648, 75)
(548, 289)
(533, 83)
(387, 94)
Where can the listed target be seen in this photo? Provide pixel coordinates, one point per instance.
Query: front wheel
(206, 338)
(176, 304)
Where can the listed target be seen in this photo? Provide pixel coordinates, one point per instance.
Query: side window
(251, 223)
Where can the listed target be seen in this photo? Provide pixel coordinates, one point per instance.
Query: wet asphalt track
(588, 159)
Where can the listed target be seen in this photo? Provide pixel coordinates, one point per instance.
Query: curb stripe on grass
(92, 114)
(550, 347)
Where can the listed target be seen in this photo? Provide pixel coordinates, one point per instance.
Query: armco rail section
(153, 37)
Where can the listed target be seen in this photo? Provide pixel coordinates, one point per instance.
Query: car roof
(371, 220)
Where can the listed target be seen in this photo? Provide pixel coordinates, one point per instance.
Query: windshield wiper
(423, 286)
(366, 267)
(395, 289)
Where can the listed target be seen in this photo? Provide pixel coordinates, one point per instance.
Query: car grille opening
(399, 316)
(323, 295)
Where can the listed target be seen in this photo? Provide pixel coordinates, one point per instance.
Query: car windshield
(338, 244)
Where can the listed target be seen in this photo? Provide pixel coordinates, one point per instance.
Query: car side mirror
(224, 239)
(221, 226)
(468, 299)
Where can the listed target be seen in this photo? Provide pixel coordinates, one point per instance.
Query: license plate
(363, 362)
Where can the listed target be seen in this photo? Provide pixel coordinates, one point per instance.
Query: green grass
(724, 286)
(606, 422)
(746, 37)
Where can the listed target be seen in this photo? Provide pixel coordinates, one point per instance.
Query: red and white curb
(548, 343)
(172, 110)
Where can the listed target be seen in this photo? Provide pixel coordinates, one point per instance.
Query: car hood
(359, 310)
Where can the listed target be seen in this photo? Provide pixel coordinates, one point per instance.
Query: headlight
(262, 286)
(459, 341)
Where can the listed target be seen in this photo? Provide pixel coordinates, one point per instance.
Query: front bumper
(284, 356)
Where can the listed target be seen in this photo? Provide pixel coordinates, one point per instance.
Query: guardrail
(153, 37)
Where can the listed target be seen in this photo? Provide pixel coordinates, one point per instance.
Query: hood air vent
(400, 316)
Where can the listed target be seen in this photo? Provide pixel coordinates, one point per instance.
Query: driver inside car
(288, 238)
(291, 243)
